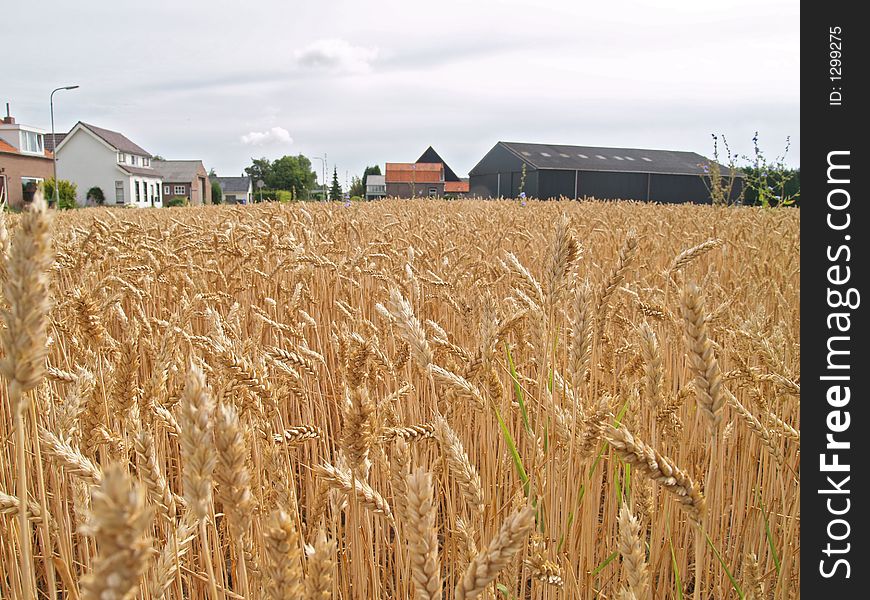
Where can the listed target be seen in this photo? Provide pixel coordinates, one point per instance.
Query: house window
(119, 192)
(433, 192)
(31, 142)
(138, 192)
(159, 191)
(179, 190)
(133, 159)
(122, 158)
(146, 162)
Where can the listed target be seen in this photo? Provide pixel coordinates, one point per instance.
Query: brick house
(184, 179)
(429, 176)
(23, 160)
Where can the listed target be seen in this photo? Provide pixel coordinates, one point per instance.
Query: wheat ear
(631, 548)
(283, 549)
(460, 465)
(422, 535)
(119, 524)
(197, 450)
(658, 468)
(486, 565)
(342, 479)
(708, 378)
(321, 569)
(26, 292)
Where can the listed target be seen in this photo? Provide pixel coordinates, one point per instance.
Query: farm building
(428, 176)
(553, 171)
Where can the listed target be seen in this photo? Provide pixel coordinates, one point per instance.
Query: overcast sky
(377, 81)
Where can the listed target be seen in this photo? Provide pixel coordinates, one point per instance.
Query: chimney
(8, 119)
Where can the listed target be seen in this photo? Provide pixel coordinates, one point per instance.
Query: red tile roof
(414, 173)
(4, 147)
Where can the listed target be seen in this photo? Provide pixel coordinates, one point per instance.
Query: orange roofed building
(430, 177)
(24, 161)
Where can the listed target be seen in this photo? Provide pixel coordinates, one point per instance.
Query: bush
(283, 196)
(356, 199)
(176, 201)
(66, 192)
(217, 194)
(96, 194)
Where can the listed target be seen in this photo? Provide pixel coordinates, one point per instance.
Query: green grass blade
(769, 534)
(677, 581)
(736, 587)
(518, 390)
(515, 455)
(504, 590)
(606, 562)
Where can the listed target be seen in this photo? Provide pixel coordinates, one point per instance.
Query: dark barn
(553, 171)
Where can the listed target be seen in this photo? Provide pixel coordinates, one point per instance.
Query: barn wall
(613, 186)
(498, 160)
(488, 185)
(554, 184)
(678, 189)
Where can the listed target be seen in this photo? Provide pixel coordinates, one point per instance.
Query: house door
(202, 190)
(3, 199)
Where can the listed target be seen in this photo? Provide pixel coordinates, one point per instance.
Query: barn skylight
(526, 153)
(646, 159)
(582, 156)
(601, 157)
(628, 158)
(563, 155)
(547, 154)
(618, 157)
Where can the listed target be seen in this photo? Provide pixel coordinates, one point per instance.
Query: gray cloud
(373, 82)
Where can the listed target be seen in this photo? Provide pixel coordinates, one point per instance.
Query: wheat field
(401, 399)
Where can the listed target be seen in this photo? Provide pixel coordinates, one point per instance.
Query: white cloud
(337, 55)
(276, 135)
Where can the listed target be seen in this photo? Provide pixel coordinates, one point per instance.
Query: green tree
(217, 194)
(289, 172)
(357, 188)
(260, 170)
(66, 193)
(335, 188)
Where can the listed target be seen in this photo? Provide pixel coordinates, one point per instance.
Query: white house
(91, 157)
(236, 190)
(376, 187)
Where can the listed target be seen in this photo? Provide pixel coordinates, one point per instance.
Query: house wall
(419, 190)
(150, 188)
(169, 188)
(88, 162)
(16, 166)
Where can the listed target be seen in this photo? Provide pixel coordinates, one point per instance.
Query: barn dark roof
(595, 158)
(430, 156)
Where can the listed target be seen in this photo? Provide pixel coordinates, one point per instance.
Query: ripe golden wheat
(402, 399)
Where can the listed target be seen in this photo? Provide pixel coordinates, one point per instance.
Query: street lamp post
(54, 140)
(322, 159)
